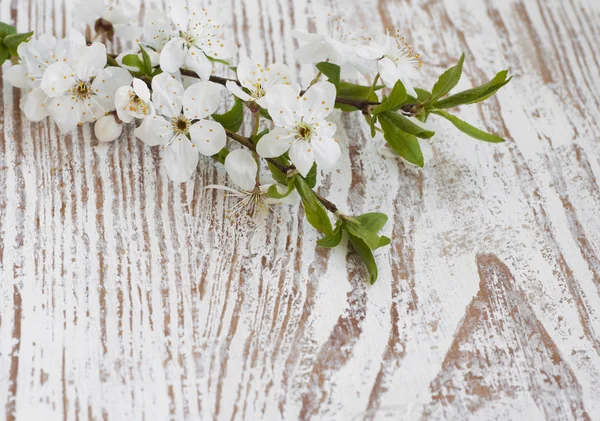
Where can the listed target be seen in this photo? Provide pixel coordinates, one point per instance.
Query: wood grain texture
(125, 296)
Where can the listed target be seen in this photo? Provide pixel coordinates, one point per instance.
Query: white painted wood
(124, 296)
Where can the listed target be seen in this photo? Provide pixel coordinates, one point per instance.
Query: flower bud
(107, 129)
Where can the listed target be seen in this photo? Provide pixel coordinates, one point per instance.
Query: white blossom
(133, 101)
(107, 128)
(396, 61)
(243, 169)
(180, 125)
(81, 88)
(36, 55)
(338, 45)
(301, 127)
(200, 38)
(258, 80)
(122, 15)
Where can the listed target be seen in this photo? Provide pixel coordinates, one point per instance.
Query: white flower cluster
(75, 82)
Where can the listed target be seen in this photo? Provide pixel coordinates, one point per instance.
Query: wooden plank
(124, 296)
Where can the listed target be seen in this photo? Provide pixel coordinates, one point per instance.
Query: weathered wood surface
(124, 296)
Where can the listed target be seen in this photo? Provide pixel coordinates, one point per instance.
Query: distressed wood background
(126, 297)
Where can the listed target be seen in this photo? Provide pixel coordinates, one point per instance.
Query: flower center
(136, 103)
(181, 125)
(83, 90)
(259, 92)
(304, 131)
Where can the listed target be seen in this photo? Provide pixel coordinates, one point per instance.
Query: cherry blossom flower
(258, 80)
(242, 169)
(200, 38)
(133, 101)
(81, 88)
(180, 125)
(338, 46)
(122, 15)
(301, 127)
(36, 56)
(396, 61)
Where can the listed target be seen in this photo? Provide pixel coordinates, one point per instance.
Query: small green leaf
(366, 227)
(217, 60)
(132, 60)
(4, 54)
(406, 145)
(221, 155)
(478, 94)
(372, 122)
(466, 128)
(366, 255)
(232, 119)
(316, 214)
(311, 177)
(422, 95)
(13, 41)
(277, 174)
(6, 29)
(274, 193)
(447, 81)
(147, 62)
(396, 98)
(332, 71)
(352, 91)
(334, 239)
(407, 126)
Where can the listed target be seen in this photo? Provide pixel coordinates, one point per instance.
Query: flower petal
(388, 71)
(66, 113)
(235, 89)
(277, 74)
(318, 101)
(141, 89)
(106, 84)
(15, 75)
(201, 100)
(241, 167)
(88, 61)
(314, 52)
(283, 103)
(35, 105)
(180, 159)
(178, 13)
(173, 55)
(155, 130)
(302, 156)
(58, 78)
(197, 61)
(208, 136)
(167, 95)
(220, 48)
(122, 97)
(307, 36)
(275, 143)
(326, 151)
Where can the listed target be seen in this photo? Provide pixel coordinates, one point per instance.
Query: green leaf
(332, 71)
(217, 60)
(221, 155)
(366, 227)
(311, 177)
(447, 81)
(277, 174)
(352, 91)
(466, 128)
(147, 62)
(6, 29)
(232, 119)
(4, 54)
(406, 145)
(366, 255)
(478, 94)
(274, 191)
(264, 113)
(334, 239)
(132, 60)
(372, 120)
(396, 98)
(316, 214)
(13, 41)
(407, 126)
(422, 95)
